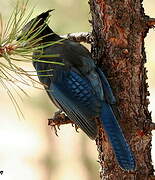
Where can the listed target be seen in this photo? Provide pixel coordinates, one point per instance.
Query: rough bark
(119, 29)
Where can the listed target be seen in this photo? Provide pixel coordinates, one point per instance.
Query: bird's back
(75, 57)
(75, 86)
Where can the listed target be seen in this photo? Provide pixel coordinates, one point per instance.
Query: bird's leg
(59, 119)
(57, 113)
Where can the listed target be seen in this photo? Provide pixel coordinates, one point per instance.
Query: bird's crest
(45, 15)
(35, 26)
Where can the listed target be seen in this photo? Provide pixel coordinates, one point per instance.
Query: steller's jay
(78, 87)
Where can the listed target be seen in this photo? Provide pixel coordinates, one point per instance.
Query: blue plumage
(77, 99)
(121, 149)
(81, 90)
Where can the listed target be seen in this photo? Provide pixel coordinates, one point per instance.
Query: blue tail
(120, 147)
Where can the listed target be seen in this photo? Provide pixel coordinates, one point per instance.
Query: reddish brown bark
(119, 29)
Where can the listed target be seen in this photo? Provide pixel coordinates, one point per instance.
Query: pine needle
(13, 52)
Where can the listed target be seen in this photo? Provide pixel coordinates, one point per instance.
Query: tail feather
(120, 147)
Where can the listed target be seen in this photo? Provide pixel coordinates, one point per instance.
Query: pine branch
(151, 22)
(79, 37)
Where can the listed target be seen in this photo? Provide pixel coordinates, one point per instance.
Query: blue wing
(77, 99)
(121, 148)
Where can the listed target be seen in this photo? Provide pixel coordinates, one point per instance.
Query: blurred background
(29, 149)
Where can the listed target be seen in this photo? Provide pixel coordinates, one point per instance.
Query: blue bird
(79, 88)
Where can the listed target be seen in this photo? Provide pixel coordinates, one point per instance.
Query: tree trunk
(119, 29)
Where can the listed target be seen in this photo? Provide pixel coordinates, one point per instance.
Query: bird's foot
(58, 120)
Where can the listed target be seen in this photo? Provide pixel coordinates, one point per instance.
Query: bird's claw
(55, 130)
(58, 120)
(76, 127)
(54, 125)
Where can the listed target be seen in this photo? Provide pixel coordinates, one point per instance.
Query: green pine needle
(13, 52)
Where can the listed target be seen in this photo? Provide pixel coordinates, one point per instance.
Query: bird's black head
(37, 27)
(44, 15)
